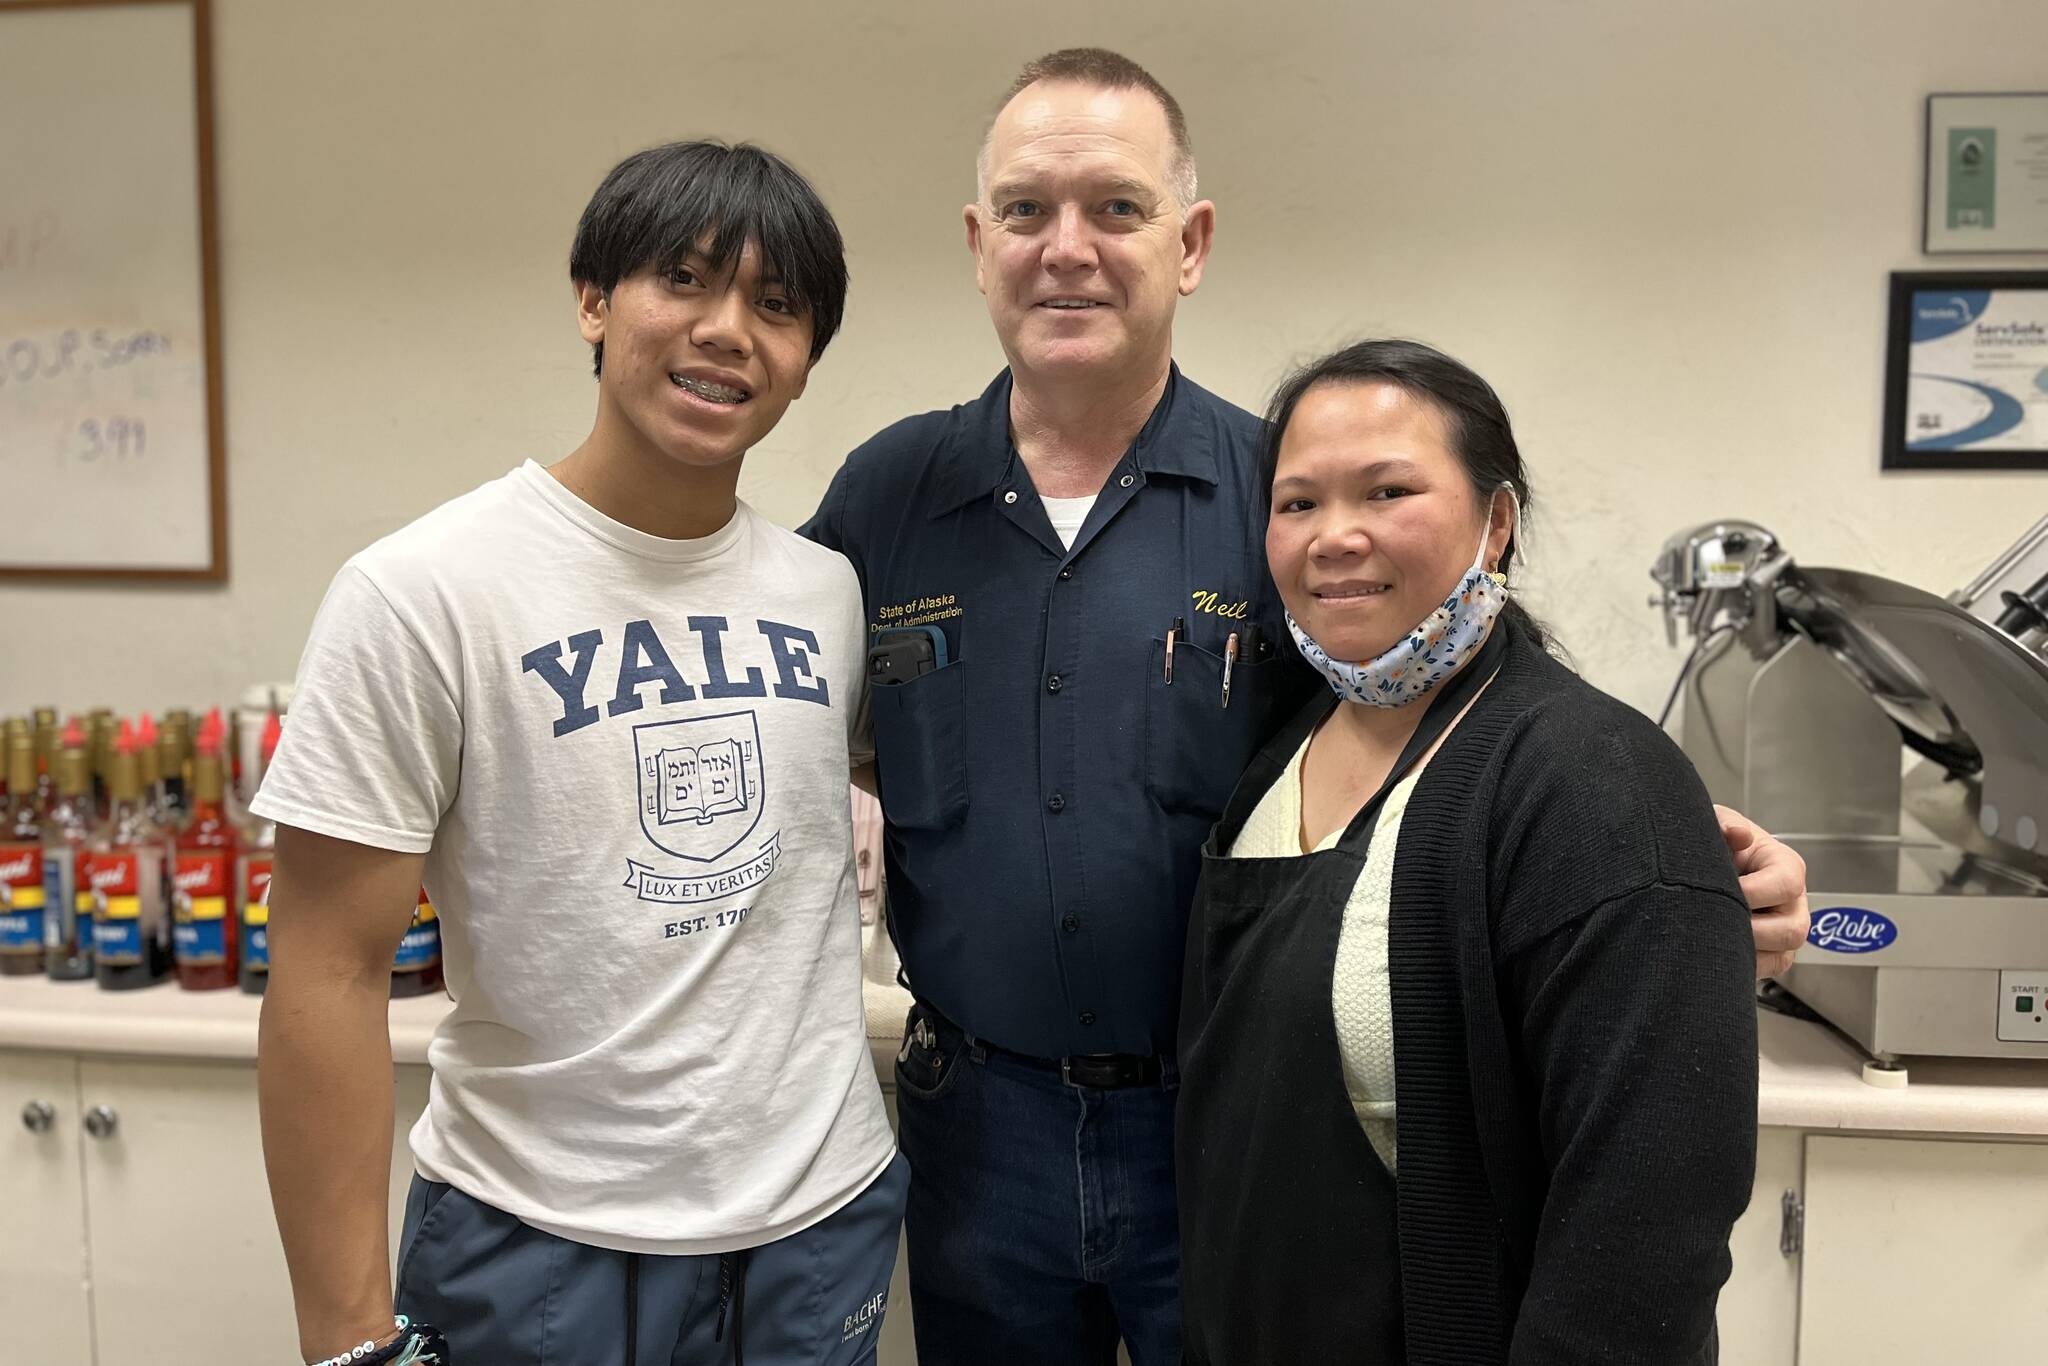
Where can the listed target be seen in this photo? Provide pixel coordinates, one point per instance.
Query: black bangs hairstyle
(1476, 418)
(658, 206)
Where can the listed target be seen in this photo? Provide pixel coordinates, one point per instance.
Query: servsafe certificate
(1977, 371)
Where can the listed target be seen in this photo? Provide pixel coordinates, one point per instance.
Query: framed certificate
(1966, 371)
(1987, 174)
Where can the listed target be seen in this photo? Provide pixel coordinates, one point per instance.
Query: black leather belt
(1100, 1071)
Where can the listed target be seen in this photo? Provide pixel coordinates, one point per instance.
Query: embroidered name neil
(1213, 603)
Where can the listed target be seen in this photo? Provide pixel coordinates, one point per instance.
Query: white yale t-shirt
(626, 758)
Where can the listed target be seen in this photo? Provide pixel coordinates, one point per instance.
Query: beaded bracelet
(369, 1354)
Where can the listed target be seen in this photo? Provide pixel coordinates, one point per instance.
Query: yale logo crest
(701, 783)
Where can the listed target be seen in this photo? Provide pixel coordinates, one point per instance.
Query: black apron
(1289, 1235)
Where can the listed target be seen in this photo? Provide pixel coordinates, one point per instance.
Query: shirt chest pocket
(1195, 747)
(920, 756)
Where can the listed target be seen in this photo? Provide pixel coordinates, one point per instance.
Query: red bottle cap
(74, 734)
(126, 742)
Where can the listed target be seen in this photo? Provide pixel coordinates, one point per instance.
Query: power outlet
(2023, 1007)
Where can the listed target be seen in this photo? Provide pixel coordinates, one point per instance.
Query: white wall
(1662, 231)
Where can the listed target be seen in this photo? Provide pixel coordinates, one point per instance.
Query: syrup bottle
(67, 890)
(131, 926)
(173, 750)
(21, 863)
(417, 969)
(46, 758)
(14, 726)
(252, 879)
(205, 939)
(149, 758)
(101, 747)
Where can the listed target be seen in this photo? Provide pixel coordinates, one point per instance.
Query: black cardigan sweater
(1573, 979)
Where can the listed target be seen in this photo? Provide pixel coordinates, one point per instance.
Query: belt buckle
(1103, 1073)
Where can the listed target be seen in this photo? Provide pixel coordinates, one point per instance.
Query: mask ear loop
(1514, 502)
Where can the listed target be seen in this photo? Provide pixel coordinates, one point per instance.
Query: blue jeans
(1041, 1226)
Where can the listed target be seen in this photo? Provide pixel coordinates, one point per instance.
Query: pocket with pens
(1209, 705)
(1245, 646)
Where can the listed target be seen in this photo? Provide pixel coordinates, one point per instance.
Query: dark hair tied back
(1477, 421)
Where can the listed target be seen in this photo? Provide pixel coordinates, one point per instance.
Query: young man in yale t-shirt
(605, 712)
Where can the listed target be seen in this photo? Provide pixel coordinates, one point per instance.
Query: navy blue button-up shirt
(1047, 790)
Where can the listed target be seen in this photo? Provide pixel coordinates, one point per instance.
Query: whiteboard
(111, 455)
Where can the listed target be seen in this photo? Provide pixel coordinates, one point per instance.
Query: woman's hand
(1774, 885)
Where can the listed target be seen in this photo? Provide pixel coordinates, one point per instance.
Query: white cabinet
(1758, 1314)
(44, 1299)
(150, 1237)
(1923, 1251)
(178, 1214)
(151, 1241)
(1911, 1250)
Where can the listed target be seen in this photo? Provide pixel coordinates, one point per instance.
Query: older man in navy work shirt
(1049, 776)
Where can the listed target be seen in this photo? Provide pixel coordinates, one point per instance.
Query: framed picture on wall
(1987, 174)
(1966, 371)
(111, 421)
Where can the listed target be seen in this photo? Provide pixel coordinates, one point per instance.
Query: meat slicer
(1899, 741)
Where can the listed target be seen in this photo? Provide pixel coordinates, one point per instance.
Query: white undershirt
(1067, 514)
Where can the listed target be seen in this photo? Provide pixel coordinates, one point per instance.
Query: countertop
(1809, 1078)
(162, 1021)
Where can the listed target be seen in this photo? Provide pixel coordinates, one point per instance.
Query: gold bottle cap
(21, 764)
(170, 738)
(149, 764)
(181, 720)
(124, 779)
(72, 776)
(208, 777)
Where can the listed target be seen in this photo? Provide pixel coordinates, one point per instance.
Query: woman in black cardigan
(1468, 1047)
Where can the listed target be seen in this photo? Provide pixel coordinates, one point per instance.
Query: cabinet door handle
(39, 1116)
(101, 1121)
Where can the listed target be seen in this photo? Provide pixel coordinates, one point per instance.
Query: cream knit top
(1360, 997)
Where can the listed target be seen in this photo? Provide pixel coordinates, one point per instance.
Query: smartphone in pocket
(904, 652)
